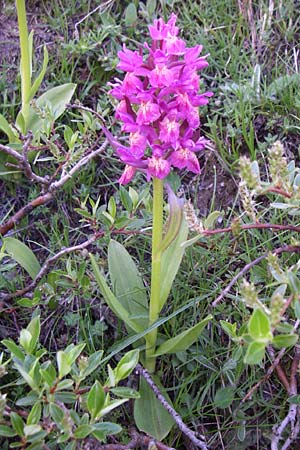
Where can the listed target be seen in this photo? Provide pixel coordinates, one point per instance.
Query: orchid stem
(25, 59)
(157, 230)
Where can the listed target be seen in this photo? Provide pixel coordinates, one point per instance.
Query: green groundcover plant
(157, 102)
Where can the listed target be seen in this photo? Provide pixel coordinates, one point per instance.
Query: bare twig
(23, 162)
(102, 7)
(138, 440)
(247, 267)
(51, 189)
(49, 262)
(292, 416)
(181, 425)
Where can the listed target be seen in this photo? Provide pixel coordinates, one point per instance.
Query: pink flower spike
(161, 76)
(127, 174)
(131, 84)
(184, 158)
(173, 45)
(138, 143)
(158, 167)
(129, 60)
(148, 112)
(169, 130)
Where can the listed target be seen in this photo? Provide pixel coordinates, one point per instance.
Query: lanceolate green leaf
(170, 262)
(40, 77)
(23, 255)
(112, 300)
(149, 414)
(127, 282)
(184, 340)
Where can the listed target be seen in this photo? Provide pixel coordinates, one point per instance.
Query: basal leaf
(23, 255)
(112, 300)
(149, 414)
(184, 340)
(127, 283)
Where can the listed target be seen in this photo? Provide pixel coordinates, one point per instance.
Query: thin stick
(278, 251)
(52, 188)
(23, 163)
(181, 425)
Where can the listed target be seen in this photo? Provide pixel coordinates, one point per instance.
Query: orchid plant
(158, 102)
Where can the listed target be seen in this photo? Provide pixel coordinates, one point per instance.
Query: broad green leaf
(95, 399)
(92, 363)
(83, 431)
(57, 97)
(125, 392)
(149, 414)
(23, 255)
(170, 262)
(130, 15)
(17, 423)
(64, 384)
(224, 397)
(127, 283)
(34, 328)
(259, 327)
(111, 406)
(48, 374)
(184, 340)
(103, 429)
(126, 365)
(284, 340)
(64, 367)
(14, 349)
(6, 431)
(6, 128)
(38, 81)
(35, 414)
(29, 430)
(25, 340)
(28, 378)
(255, 353)
(56, 412)
(112, 300)
(65, 397)
(73, 351)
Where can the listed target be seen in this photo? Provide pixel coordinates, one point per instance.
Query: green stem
(25, 58)
(154, 310)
